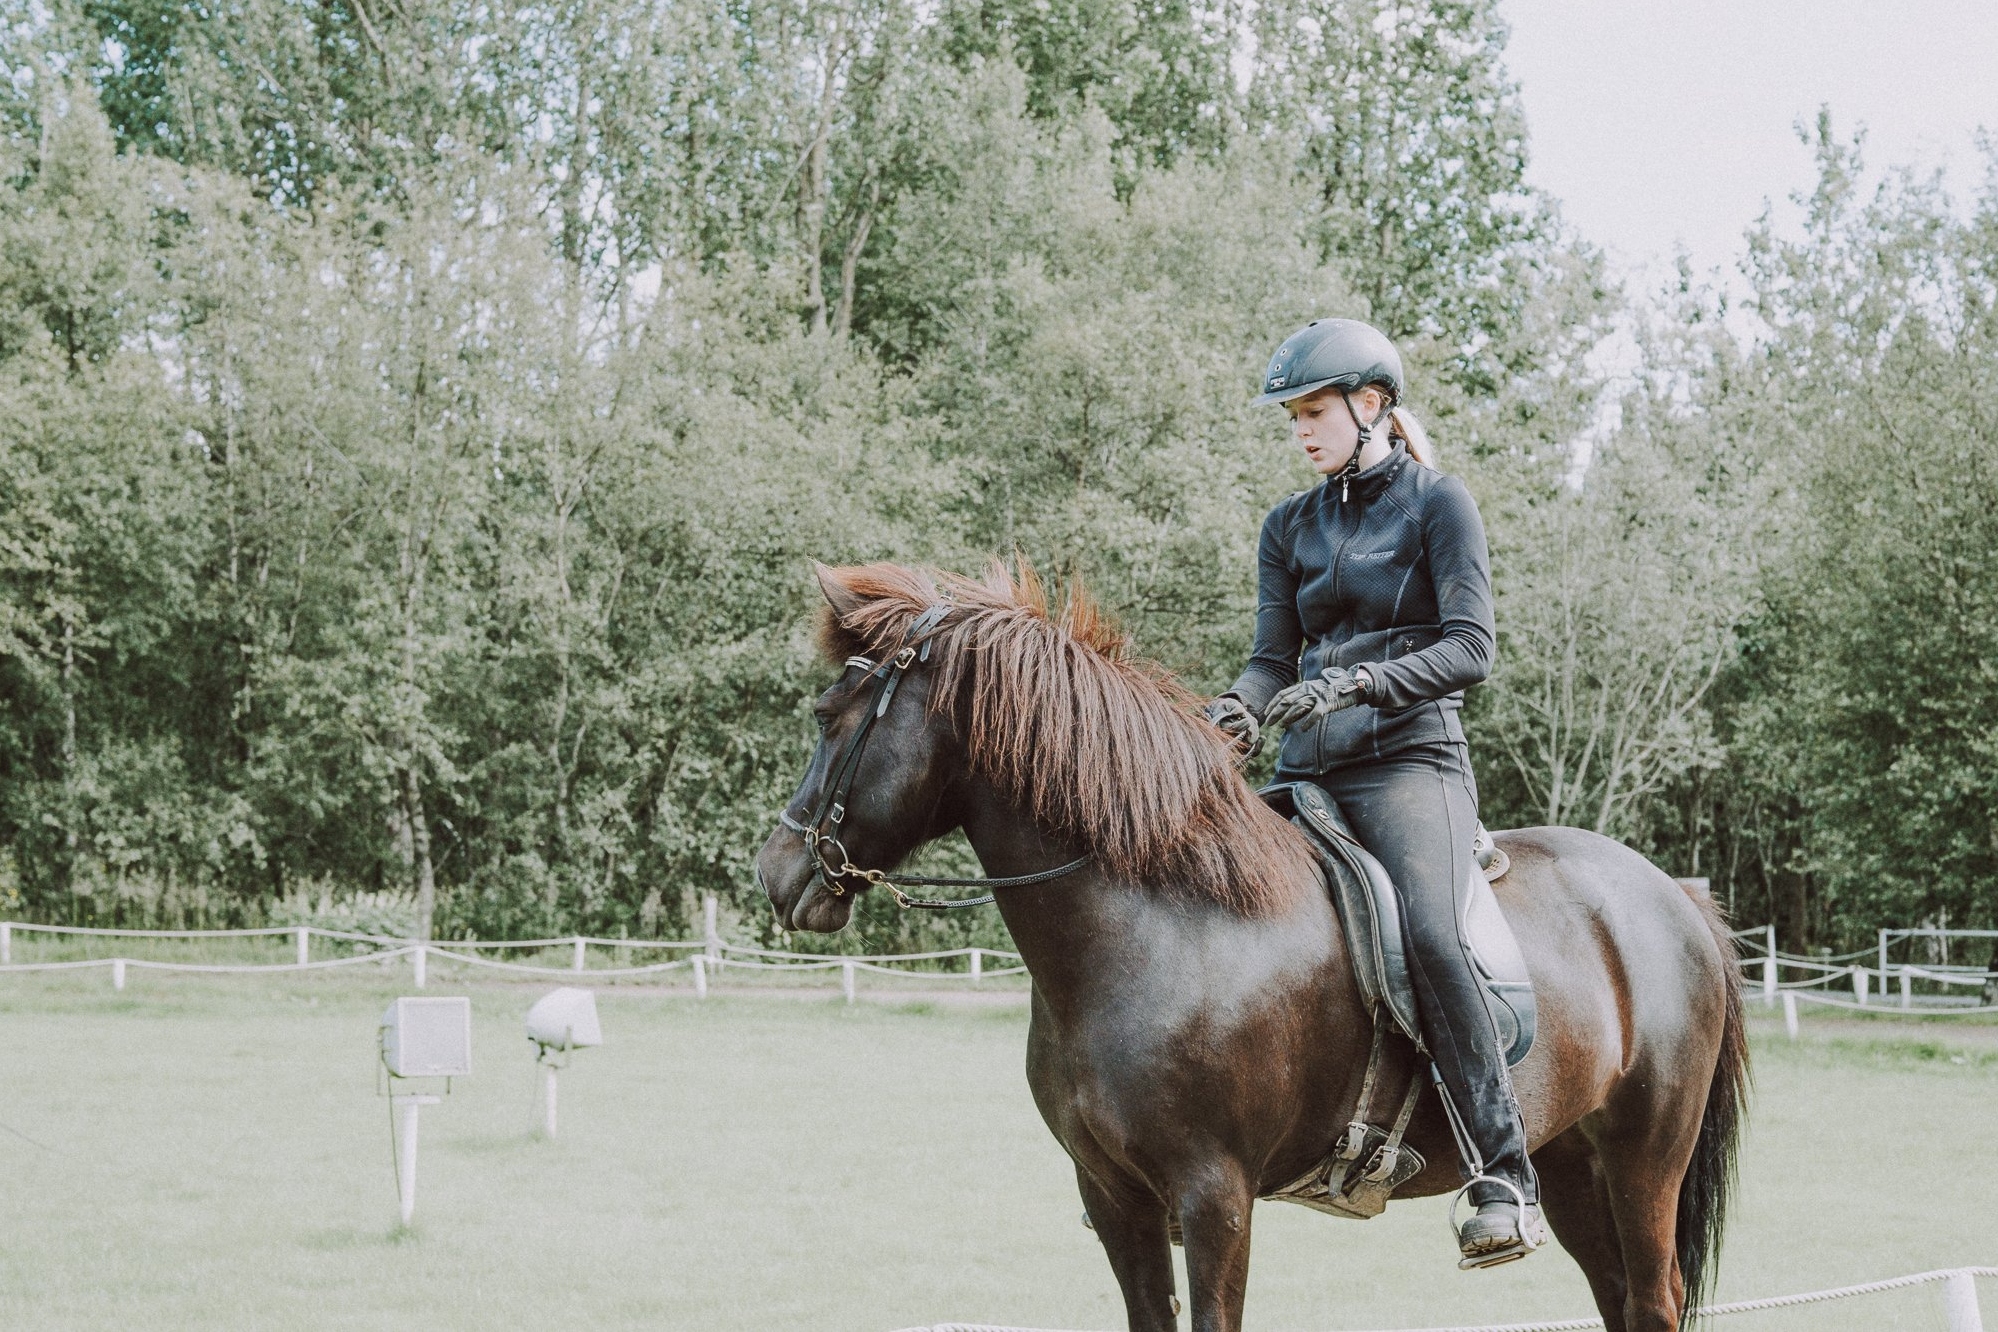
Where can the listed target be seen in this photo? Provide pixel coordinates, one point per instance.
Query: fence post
(846, 980)
(977, 965)
(1790, 1013)
(417, 962)
(1883, 959)
(1860, 977)
(6, 942)
(117, 973)
(576, 962)
(304, 944)
(1960, 1312)
(711, 939)
(1907, 988)
(700, 976)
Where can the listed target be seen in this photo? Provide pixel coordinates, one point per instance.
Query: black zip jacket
(1395, 578)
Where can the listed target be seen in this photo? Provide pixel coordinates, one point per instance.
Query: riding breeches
(1417, 811)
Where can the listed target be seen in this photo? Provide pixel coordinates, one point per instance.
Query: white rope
(437, 953)
(1889, 1007)
(141, 964)
(1582, 1324)
(867, 957)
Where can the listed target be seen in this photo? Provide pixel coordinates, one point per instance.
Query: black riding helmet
(1331, 353)
(1342, 354)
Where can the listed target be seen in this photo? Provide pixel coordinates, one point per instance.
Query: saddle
(1368, 1162)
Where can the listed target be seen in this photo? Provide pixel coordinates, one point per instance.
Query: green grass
(211, 1153)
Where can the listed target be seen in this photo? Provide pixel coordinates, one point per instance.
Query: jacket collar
(1370, 483)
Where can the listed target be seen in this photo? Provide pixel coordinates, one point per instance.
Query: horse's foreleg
(1576, 1198)
(1214, 1220)
(1132, 1225)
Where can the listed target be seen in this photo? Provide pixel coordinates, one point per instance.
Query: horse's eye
(823, 718)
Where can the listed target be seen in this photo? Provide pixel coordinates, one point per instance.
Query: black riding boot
(1417, 812)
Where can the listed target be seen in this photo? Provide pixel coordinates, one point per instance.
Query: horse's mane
(1100, 748)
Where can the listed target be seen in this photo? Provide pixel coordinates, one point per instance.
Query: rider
(1379, 579)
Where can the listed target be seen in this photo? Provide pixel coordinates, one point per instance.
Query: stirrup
(1530, 1237)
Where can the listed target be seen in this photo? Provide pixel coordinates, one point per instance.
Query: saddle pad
(1370, 914)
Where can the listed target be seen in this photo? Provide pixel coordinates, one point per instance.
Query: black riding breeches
(1417, 811)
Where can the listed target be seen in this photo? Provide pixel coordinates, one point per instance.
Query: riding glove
(1233, 716)
(1308, 700)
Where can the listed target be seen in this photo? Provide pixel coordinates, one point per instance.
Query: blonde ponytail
(1403, 426)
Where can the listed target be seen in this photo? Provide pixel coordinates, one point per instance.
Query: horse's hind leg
(1575, 1196)
(1132, 1225)
(1646, 1148)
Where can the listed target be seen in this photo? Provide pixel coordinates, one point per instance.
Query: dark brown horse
(1197, 1038)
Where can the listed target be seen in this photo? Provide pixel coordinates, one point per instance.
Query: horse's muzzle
(787, 875)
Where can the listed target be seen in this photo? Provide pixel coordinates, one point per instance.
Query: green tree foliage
(416, 421)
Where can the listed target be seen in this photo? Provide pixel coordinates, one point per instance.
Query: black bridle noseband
(830, 861)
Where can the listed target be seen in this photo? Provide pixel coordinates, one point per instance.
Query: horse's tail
(1703, 1195)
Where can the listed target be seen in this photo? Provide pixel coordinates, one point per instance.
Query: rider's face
(1324, 428)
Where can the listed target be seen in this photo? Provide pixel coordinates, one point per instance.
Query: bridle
(830, 861)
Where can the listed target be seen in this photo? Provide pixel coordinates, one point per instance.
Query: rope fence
(1822, 980)
(1959, 1284)
(707, 958)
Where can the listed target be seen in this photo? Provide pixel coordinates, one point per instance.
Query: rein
(822, 833)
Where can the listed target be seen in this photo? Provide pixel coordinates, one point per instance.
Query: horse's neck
(1061, 925)
(1086, 935)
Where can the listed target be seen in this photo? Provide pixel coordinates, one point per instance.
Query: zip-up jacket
(1395, 578)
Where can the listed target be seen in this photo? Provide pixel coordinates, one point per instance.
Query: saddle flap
(1502, 966)
(1370, 915)
(1364, 896)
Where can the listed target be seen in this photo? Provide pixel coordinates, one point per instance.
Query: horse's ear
(836, 640)
(843, 600)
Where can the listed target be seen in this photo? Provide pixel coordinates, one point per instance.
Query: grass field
(211, 1153)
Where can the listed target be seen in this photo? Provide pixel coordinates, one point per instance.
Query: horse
(1197, 1035)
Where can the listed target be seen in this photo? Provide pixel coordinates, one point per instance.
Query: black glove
(1233, 716)
(1308, 700)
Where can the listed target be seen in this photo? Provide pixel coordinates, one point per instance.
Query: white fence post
(576, 962)
(846, 980)
(1860, 977)
(117, 973)
(304, 944)
(711, 937)
(700, 976)
(417, 961)
(1790, 1013)
(1907, 987)
(977, 965)
(1960, 1312)
(6, 942)
(405, 1155)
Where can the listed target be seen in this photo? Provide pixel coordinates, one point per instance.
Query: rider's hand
(1308, 700)
(1233, 716)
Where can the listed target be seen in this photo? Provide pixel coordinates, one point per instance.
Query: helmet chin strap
(1366, 429)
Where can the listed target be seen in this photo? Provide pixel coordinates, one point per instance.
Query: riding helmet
(1331, 353)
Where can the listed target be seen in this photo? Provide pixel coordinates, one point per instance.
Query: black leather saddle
(1370, 912)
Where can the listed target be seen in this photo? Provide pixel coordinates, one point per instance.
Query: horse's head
(982, 701)
(876, 786)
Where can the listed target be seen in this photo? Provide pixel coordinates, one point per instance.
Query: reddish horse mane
(1103, 749)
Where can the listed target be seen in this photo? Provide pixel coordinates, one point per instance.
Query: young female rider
(1378, 578)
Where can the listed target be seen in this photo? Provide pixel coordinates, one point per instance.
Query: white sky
(1670, 122)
